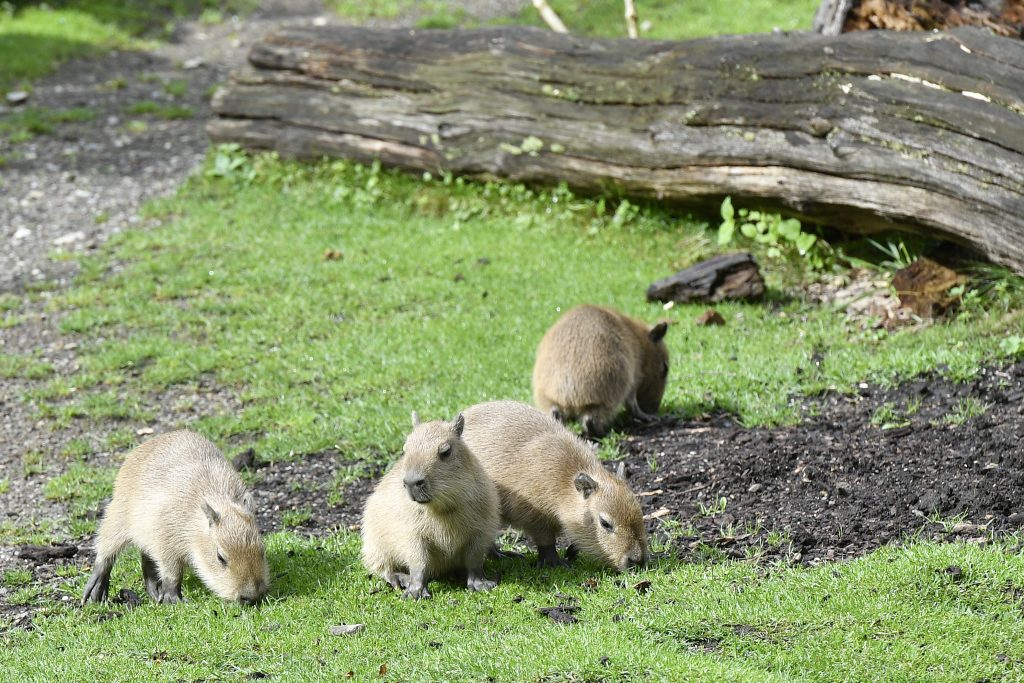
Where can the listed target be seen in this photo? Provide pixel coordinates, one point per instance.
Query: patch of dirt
(839, 486)
(308, 488)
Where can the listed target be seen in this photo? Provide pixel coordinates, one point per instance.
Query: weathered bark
(728, 276)
(865, 131)
(831, 16)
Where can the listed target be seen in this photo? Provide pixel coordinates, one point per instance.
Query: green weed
(887, 416)
(964, 410)
(17, 577)
(176, 88)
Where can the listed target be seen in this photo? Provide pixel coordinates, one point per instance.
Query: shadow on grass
(302, 569)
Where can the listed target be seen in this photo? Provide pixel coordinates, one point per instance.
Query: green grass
(896, 616)
(674, 20)
(24, 124)
(35, 40)
(17, 577)
(384, 9)
(161, 111)
(36, 37)
(887, 416)
(176, 88)
(964, 410)
(83, 484)
(25, 367)
(442, 292)
(669, 19)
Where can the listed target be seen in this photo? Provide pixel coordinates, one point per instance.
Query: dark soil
(840, 486)
(308, 487)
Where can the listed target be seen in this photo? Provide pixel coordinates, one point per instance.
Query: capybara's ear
(415, 419)
(459, 424)
(211, 514)
(584, 484)
(657, 332)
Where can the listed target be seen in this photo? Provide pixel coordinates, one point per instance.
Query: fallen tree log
(864, 131)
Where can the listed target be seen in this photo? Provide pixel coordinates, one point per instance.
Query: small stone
(193, 63)
(144, 431)
(843, 488)
(320, 21)
(346, 629)
(17, 97)
(63, 240)
(22, 233)
(754, 488)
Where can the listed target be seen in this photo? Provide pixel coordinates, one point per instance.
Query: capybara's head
(229, 557)
(610, 525)
(436, 464)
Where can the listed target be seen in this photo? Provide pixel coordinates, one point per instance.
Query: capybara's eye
(444, 450)
(606, 525)
(664, 369)
(221, 559)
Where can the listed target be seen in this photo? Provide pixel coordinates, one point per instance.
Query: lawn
(310, 308)
(901, 614)
(37, 37)
(332, 299)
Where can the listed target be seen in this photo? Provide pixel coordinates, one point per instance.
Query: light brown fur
(550, 483)
(431, 515)
(180, 502)
(593, 360)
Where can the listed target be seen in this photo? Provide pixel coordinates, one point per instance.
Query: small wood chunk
(709, 317)
(923, 287)
(728, 276)
(44, 554)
